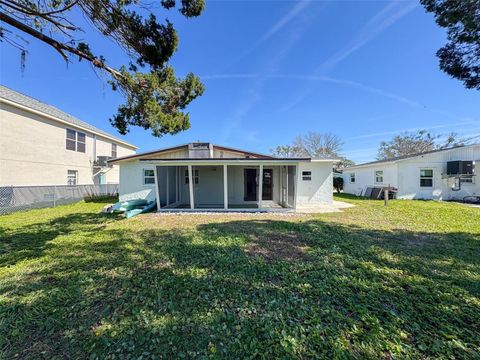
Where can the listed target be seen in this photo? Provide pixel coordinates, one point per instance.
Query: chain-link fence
(16, 198)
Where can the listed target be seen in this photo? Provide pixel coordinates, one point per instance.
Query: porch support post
(260, 186)
(157, 193)
(295, 188)
(190, 186)
(225, 187)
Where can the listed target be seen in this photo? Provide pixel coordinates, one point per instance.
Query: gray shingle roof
(27, 101)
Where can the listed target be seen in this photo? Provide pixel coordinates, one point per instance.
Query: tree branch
(60, 47)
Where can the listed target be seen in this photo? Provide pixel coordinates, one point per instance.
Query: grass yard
(401, 281)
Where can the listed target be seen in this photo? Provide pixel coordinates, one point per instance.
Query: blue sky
(364, 70)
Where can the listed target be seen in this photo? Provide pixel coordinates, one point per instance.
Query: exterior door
(250, 184)
(267, 184)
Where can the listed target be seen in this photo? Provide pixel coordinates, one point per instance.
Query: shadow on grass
(256, 288)
(30, 241)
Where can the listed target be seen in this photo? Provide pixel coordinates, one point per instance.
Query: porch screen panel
(172, 184)
(162, 185)
(291, 185)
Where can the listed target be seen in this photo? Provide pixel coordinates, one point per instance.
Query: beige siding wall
(227, 154)
(175, 154)
(32, 151)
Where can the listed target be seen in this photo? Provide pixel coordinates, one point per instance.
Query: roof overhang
(69, 124)
(224, 161)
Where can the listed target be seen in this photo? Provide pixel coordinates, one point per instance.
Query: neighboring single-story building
(41, 145)
(447, 174)
(207, 176)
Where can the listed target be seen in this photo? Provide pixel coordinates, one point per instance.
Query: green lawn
(401, 281)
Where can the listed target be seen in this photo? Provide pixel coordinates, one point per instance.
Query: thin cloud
(284, 20)
(400, 131)
(388, 16)
(281, 23)
(380, 22)
(353, 84)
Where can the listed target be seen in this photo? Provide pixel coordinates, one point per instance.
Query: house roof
(15, 98)
(406, 157)
(178, 147)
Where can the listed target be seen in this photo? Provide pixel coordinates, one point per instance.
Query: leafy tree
(155, 98)
(411, 143)
(460, 57)
(338, 183)
(314, 145)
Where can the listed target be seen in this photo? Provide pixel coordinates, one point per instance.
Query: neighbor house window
(114, 151)
(75, 141)
(306, 175)
(196, 176)
(379, 176)
(81, 140)
(352, 177)
(72, 177)
(426, 178)
(71, 140)
(148, 176)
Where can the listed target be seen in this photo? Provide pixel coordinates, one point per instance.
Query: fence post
(54, 195)
(385, 196)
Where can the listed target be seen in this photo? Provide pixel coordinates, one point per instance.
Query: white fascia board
(224, 162)
(54, 118)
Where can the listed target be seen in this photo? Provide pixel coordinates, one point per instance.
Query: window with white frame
(196, 176)
(72, 177)
(81, 142)
(306, 175)
(379, 176)
(75, 140)
(352, 177)
(426, 177)
(148, 176)
(114, 151)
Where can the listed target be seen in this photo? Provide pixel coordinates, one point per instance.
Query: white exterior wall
(409, 175)
(32, 151)
(131, 182)
(365, 177)
(405, 175)
(319, 190)
(210, 188)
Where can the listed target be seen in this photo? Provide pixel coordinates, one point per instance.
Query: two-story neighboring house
(42, 145)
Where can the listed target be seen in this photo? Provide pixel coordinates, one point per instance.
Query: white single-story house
(206, 176)
(446, 174)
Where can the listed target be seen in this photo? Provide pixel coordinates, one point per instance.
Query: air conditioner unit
(102, 161)
(460, 167)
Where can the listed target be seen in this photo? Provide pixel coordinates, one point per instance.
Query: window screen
(379, 176)
(71, 140)
(72, 177)
(352, 177)
(426, 178)
(81, 142)
(306, 175)
(114, 151)
(148, 176)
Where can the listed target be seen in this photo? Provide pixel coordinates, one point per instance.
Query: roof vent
(200, 150)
